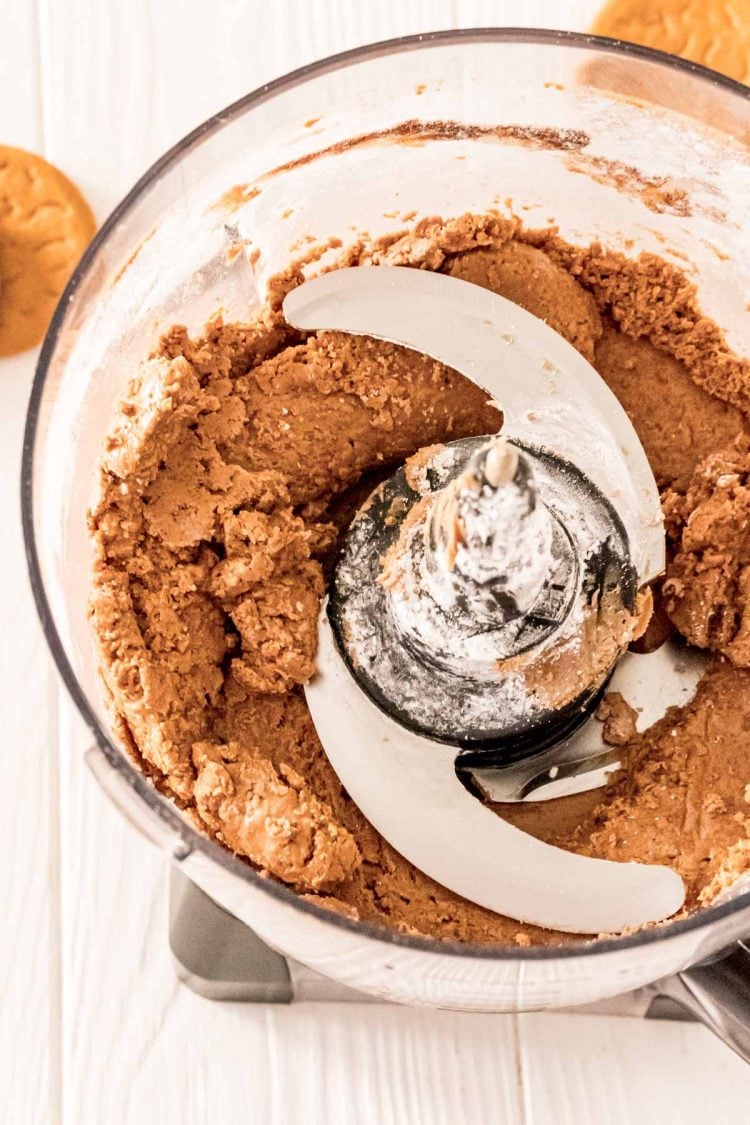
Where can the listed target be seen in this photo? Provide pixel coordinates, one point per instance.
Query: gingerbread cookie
(715, 33)
(45, 224)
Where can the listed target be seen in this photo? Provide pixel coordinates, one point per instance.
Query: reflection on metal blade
(650, 682)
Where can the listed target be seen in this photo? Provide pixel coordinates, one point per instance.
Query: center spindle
(488, 530)
(482, 554)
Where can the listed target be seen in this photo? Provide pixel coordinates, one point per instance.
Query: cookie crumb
(619, 719)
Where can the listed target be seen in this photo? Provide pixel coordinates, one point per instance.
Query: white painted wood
(565, 15)
(29, 899)
(112, 1036)
(394, 1065)
(29, 843)
(580, 1070)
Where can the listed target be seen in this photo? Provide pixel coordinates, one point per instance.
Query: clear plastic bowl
(579, 108)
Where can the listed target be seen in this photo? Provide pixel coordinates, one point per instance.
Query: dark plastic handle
(718, 994)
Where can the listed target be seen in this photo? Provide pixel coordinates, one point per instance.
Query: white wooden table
(93, 1024)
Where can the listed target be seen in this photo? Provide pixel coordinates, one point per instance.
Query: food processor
(609, 142)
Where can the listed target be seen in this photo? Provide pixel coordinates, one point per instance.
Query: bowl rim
(191, 839)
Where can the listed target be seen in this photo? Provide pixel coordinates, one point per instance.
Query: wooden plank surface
(92, 1016)
(29, 892)
(581, 1070)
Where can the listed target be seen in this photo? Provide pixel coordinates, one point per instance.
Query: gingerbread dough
(237, 457)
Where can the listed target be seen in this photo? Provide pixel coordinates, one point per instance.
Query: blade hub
(452, 596)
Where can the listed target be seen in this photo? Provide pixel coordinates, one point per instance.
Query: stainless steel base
(216, 955)
(220, 958)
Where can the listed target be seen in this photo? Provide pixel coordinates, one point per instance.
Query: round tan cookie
(45, 224)
(715, 33)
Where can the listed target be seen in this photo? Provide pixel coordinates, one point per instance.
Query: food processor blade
(667, 677)
(407, 788)
(402, 779)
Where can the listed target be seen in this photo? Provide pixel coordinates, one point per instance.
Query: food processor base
(216, 955)
(220, 958)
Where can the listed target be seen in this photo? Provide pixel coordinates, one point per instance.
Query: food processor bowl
(608, 141)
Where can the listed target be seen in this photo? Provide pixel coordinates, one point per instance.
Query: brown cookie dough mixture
(235, 459)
